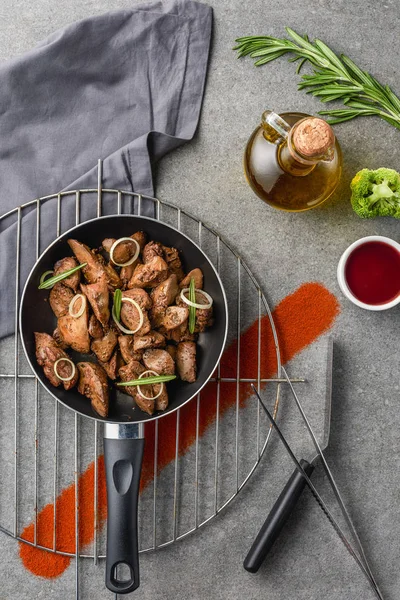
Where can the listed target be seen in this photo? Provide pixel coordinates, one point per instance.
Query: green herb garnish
(148, 380)
(43, 277)
(333, 77)
(192, 309)
(117, 304)
(48, 283)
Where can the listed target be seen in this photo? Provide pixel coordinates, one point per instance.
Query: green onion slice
(48, 283)
(148, 380)
(192, 309)
(117, 304)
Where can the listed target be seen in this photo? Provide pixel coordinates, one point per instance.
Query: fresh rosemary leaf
(148, 380)
(48, 283)
(266, 51)
(345, 112)
(302, 41)
(393, 98)
(267, 59)
(331, 56)
(356, 70)
(327, 98)
(337, 89)
(337, 120)
(301, 63)
(315, 79)
(332, 78)
(117, 304)
(192, 309)
(358, 104)
(390, 120)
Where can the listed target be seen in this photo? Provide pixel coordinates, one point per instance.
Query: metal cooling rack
(44, 429)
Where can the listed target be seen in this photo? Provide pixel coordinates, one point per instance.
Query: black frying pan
(123, 433)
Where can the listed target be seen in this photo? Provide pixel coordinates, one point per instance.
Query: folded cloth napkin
(125, 87)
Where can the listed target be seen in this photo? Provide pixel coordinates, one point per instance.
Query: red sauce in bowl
(372, 273)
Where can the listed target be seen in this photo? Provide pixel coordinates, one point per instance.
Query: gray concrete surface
(283, 250)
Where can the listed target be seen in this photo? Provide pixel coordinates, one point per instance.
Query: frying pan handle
(123, 463)
(277, 518)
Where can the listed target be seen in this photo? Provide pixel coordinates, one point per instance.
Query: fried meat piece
(164, 294)
(149, 274)
(104, 347)
(130, 316)
(186, 361)
(197, 275)
(95, 328)
(65, 264)
(94, 269)
(175, 316)
(47, 353)
(159, 361)
(93, 384)
(126, 348)
(153, 339)
(151, 250)
(60, 296)
(74, 330)
(98, 296)
(172, 258)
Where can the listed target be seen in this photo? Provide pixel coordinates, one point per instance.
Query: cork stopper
(313, 137)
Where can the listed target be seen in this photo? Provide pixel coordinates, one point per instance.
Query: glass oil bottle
(293, 161)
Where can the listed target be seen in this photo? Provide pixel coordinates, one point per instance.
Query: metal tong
(360, 558)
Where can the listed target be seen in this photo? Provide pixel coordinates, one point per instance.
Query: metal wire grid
(261, 444)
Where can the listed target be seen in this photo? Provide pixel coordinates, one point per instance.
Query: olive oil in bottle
(293, 161)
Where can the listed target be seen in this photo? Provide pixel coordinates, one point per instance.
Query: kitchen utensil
(293, 489)
(363, 565)
(123, 444)
(334, 486)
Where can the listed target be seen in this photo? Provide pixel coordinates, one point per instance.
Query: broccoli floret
(376, 193)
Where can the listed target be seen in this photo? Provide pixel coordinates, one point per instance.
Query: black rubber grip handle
(123, 462)
(277, 518)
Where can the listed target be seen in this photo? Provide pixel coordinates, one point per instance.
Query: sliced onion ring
(141, 317)
(131, 260)
(43, 277)
(200, 306)
(72, 304)
(73, 369)
(160, 384)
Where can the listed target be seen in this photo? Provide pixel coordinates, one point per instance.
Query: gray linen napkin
(126, 87)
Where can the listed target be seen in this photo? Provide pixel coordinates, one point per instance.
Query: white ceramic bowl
(342, 279)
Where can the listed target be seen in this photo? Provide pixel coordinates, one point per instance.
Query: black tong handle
(277, 518)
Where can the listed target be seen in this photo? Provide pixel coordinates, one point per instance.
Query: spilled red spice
(300, 319)
(48, 564)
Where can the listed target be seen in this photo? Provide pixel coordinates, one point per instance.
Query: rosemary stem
(333, 77)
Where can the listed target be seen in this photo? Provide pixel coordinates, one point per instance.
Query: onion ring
(161, 388)
(131, 260)
(73, 369)
(72, 304)
(199, 306)
(141, 317)
(43, 277)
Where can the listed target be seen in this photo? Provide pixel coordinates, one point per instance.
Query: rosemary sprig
(46, 284)
(192, 309)
(332, 77)
(148, 380)
(117, 302)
